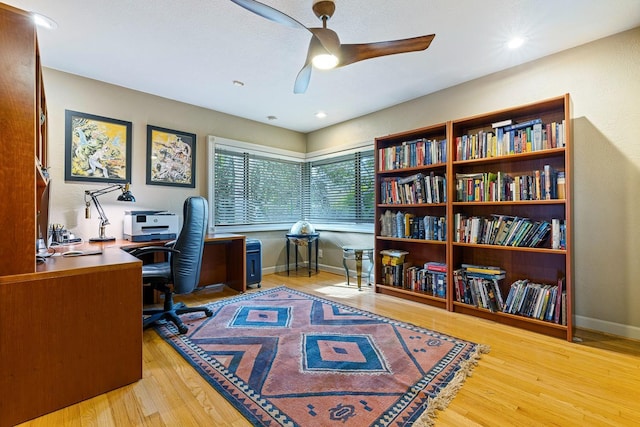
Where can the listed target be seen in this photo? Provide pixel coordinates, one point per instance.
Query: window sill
(346, 228)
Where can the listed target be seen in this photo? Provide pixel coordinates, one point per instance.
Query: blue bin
(254, 261)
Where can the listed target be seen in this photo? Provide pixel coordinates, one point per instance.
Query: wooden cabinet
(70, 329)
(524, 177)
(23, 136)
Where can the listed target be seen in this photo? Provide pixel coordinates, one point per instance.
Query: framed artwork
(171, 157)
(97, 149)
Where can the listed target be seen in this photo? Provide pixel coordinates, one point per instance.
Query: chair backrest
(186, 265)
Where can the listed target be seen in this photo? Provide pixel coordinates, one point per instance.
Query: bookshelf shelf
(513, 203)
(532, 146)
(416, 241)
(413, 169)
(411, 205)
(536, 325)
(417, 296)
(541, 154)
(511, 248)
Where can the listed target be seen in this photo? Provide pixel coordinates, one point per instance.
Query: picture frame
(171, 157)
(97, 149)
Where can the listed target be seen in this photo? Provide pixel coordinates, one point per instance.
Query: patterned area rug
(287, 358)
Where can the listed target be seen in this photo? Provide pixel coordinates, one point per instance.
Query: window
(342, 189)
(257, 188)
(251, 189)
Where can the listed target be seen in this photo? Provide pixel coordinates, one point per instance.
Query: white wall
(603, 79)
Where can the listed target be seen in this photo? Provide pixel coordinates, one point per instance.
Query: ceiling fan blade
(269, 13)
(350, 53)
(303, 78)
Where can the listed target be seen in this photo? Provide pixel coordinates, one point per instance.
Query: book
(555, 233)
(436, 266)
(485, 269)
(501, 123)
(394, 253)
(561, 184)
(522, 125)
(557, 317)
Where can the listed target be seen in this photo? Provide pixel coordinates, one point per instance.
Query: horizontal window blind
(253, 189)
(342, 189)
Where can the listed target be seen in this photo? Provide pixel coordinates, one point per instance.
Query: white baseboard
(627, 331)
(328, 268)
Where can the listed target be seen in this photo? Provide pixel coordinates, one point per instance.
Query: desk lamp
(126, 196)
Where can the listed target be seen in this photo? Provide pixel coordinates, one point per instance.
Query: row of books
(544, 184)
(479, 289)
(408, 226)
(506, 139)
(502, 230)
(418, 152)
(480, 286)
(414, 189)
(538, 301)
(430, 278)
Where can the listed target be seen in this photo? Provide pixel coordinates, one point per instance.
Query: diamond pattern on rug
(261, 317)
(286, 358)
(331, 314)
(341, 353)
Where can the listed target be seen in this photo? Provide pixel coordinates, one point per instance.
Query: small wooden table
(358, 253)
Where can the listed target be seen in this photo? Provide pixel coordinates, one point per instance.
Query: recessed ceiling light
(44, 22)
(515, 42)
(272, 118)
(238, 83)
(321, 114)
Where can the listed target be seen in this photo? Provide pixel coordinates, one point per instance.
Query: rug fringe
(444, 397)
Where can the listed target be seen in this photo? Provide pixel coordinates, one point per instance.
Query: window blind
(253, 189)
(342, 189)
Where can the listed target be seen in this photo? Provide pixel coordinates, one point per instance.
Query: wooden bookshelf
(538, 263)
(405, 163)
(24, 140)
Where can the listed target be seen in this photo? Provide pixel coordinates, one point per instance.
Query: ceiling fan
(325, 50)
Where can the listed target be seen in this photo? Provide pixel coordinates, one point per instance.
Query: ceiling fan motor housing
(324, 8)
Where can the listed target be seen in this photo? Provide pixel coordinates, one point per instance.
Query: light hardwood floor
(527, 379)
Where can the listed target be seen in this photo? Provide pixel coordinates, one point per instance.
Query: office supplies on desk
(80, 253)
(145, 226)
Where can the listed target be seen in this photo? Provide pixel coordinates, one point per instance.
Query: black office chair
(181, 272)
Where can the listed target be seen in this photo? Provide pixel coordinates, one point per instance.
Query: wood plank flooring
(526, 380)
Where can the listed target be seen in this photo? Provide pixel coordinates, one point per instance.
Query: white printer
(145, 226)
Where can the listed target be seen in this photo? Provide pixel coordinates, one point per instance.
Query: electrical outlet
(319, 253)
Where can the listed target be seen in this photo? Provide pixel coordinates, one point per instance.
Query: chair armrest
(137, 252)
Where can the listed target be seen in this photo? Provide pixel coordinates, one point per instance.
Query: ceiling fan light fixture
(325, 61)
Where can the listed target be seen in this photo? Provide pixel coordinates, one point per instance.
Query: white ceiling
(192, 50)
